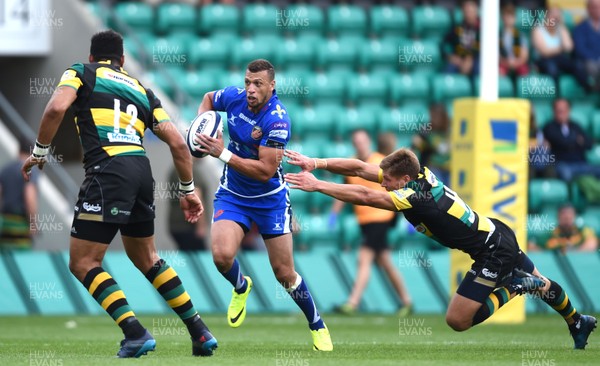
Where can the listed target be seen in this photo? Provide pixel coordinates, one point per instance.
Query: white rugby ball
(207, 123)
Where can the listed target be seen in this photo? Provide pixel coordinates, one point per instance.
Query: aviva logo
(504, 136)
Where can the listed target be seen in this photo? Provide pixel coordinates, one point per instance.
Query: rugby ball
(207, 123)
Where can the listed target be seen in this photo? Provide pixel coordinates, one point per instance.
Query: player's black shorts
(375, 235)
(493, 267)
(117, 193)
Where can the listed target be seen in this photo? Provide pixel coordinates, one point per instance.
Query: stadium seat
(546, 193)
(337, 54)
(543, 112)
(351, 235)
(300, 199)
(505, 87)
(249, 49)
(410, 88)
(230, 78)
(318, 235)
(593, 155)
(327, 87)
(539, 228)
(536, 87)
(175, 17)
(197, 83)
(370, 89)
(318, 121)
(570, 89)
(379, 56)
(158, 78)
(135, 15)
(421, 55)
(261, 19)
(171, 50)
(387, 20)
(430, 21)
(595, 122)
(347, 20)
(219, 18)
(447, 87)
(302, 19)
(136, 44)
(210, 53)
(582, 119)
(353, 118)
(295, 54)
(338, 149)
(591, 218)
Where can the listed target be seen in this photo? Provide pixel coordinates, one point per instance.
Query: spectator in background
(374, 225)
(19, 204)
(463, 40)
(386, 143)
(586, 37)
(433, 145)
(569, 236)
(514, 49)
(541, 162)
(553, 44)
(568, 143)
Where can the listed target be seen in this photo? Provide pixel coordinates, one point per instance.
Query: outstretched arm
(347, 167)
(352, 193)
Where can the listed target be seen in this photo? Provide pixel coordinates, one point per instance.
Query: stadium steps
(13, 288)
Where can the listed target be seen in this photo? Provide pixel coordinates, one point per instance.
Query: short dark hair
(401, 162)
(262, 65)
(107, 45)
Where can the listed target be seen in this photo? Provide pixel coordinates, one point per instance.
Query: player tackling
(500, 270)
(252, 189)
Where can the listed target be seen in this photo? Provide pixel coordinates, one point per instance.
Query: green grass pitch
(285, 340)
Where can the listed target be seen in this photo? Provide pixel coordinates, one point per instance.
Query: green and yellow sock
(558, 299)
(105, 290)
(166, 281)
(495, 301)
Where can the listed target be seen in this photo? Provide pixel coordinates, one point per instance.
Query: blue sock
(235, 277)
(300, 294)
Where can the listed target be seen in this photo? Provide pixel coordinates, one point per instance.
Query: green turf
(285, 340)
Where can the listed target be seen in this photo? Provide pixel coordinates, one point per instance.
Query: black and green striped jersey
(112, 110)
(438, 212)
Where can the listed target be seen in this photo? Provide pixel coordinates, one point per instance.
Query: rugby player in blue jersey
(252, 189)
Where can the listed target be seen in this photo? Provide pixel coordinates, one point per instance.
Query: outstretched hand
(304, 180)
(191, 206)
(295, 158)
(29, 163)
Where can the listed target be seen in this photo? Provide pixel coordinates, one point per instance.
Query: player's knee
(285, 275)
(457, 323)
(222, 261)
(80, 268)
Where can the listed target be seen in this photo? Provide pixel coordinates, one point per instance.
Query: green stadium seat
(337, 54)
(210, 53)
(312, 147)
(99, 10)
(346, 19)
(526, 19)
(261, 19)
(135, 15)
(430, 21)
(593, 155)
(410, 88)
(175, 17)
(371, 89)
(302, 19)
(295, 54)
(136, 44)
(157, 77)
(249, 49)
(339, 149)
(539, 227)
(447, 87)
(379, 56)
(387, 20)
(300, 199)
(582, 119)
(547, 193)
(505, 87)
(230, 78)
(219, 18)
(293, 85)
(591, 218)
(570, 89)
(318, 235)
(595, 121)
(197, 83)
(172, 50)
(351, 235)
(421, 55)
(351, 119)
(318, 121)
(536, 87)
(543, 112)
(327, 87)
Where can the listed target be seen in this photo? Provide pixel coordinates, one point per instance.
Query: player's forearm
(49, 124)
(350, 193)
(350, 167)
(182, 160)
(255, 169)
